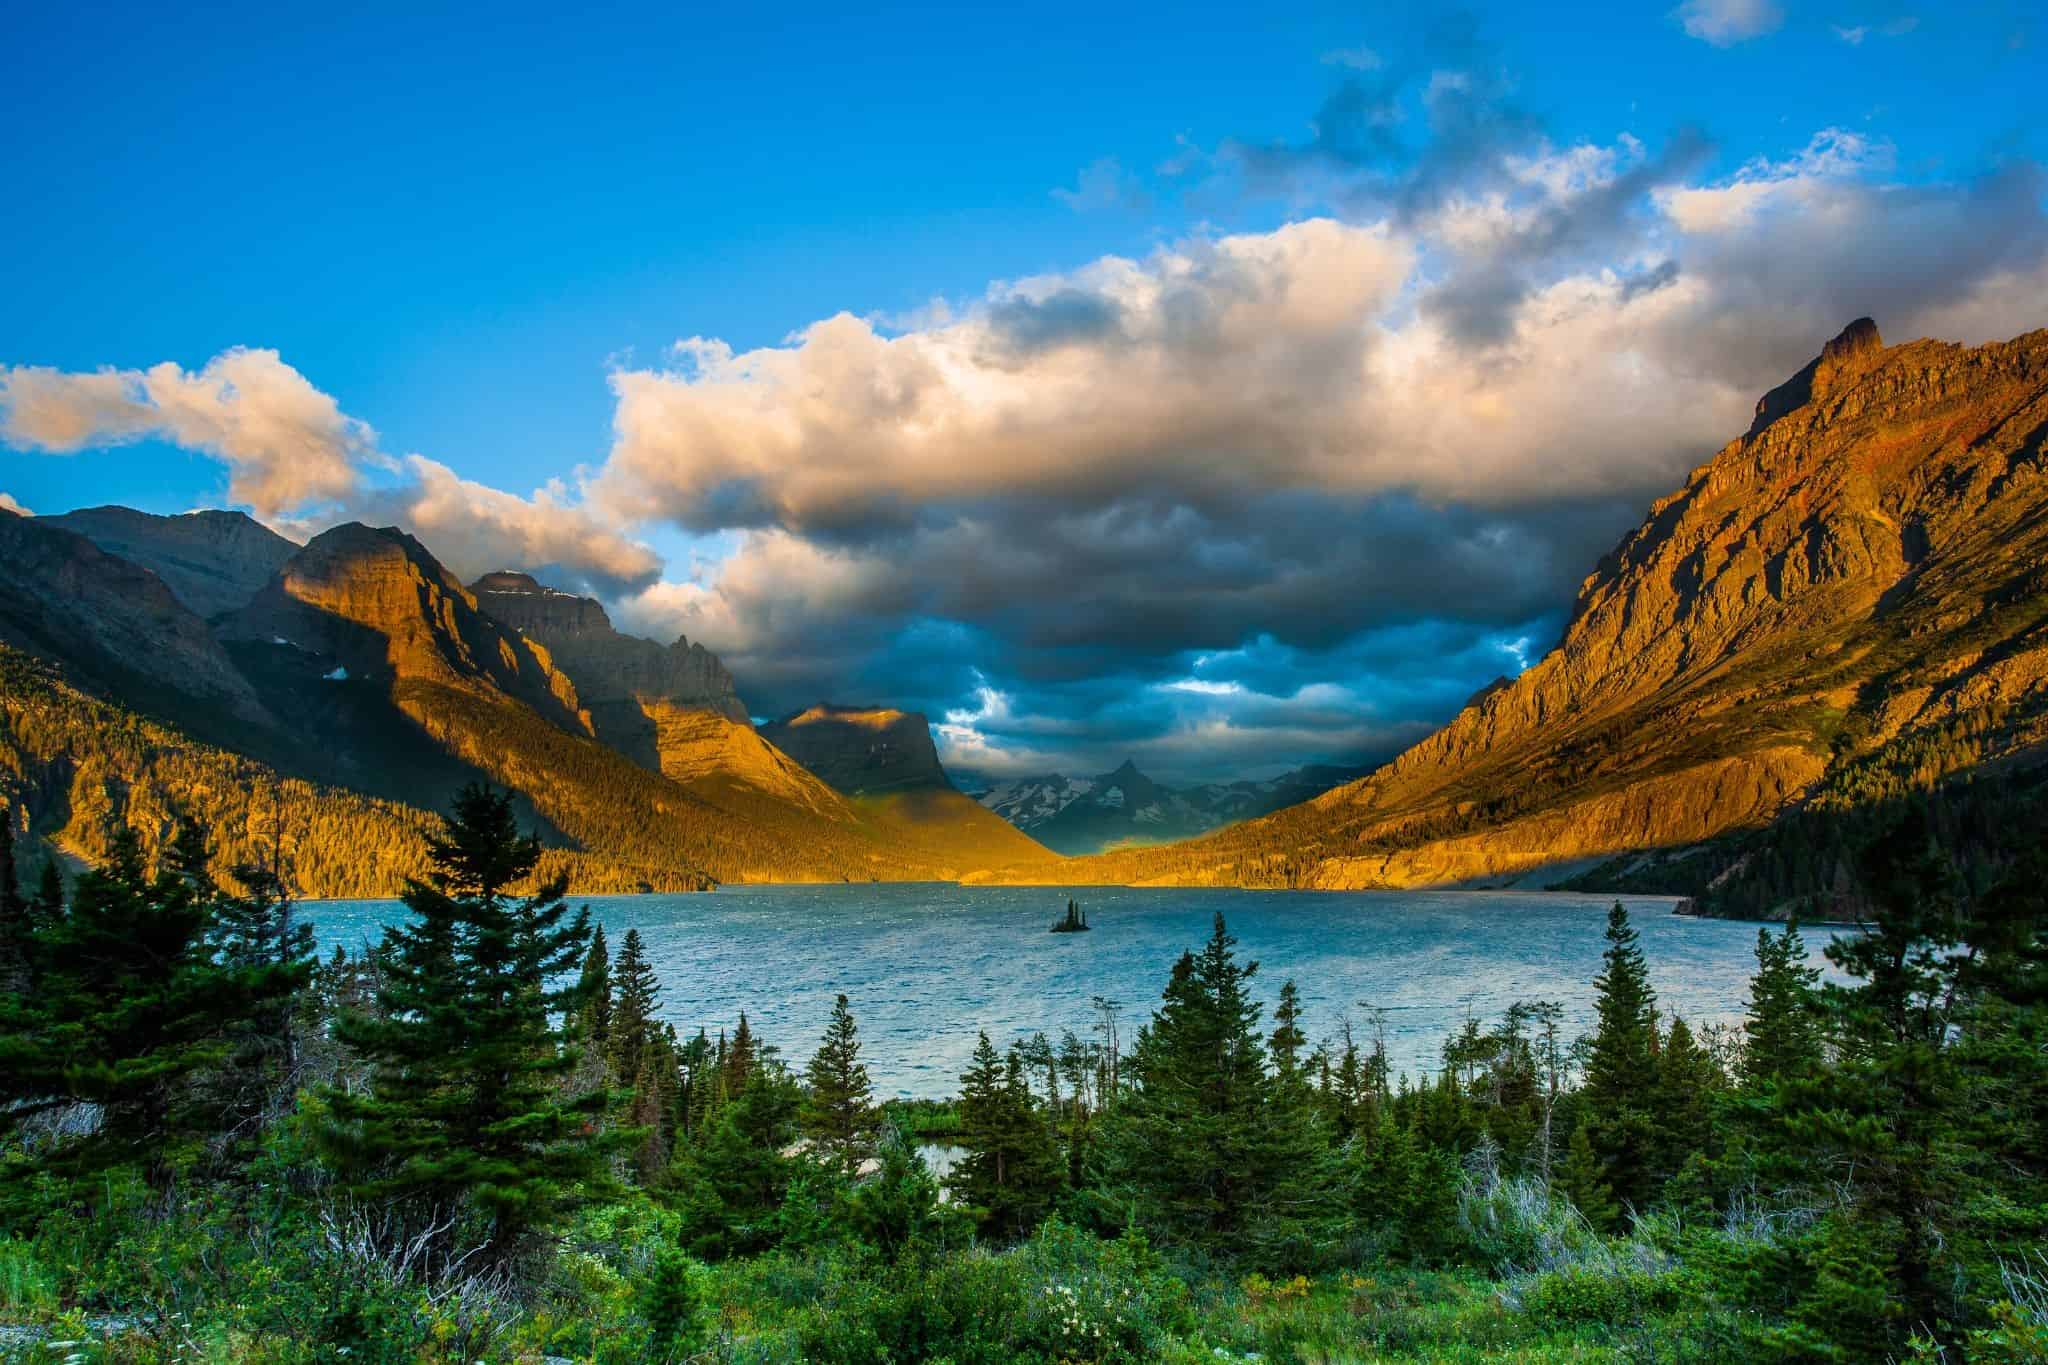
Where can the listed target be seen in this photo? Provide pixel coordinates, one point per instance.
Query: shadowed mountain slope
(213, 561)
(1862, 572)
(1127, 809)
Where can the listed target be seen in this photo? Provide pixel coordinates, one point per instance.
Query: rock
(607, 665)
(862, 750)
(113, 623)
(212, 561)
(374, 602)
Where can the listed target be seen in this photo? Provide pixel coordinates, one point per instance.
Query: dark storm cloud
(1296, 494)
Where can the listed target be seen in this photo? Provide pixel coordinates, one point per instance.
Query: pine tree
(1886, 1110)
(594, 986)
(130, 1007)
(740, 1060)
(1011, 1169)
(730, 1186)
(1198, 1139)
(1687, 1081)
(636, 998)
(469, 1042)
(839, 1114)
(15, 917)
(1782, 1030)
(1582, 1179)
(1621, 1075)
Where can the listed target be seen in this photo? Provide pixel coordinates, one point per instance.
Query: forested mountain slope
(1860, 581)
(364, 669)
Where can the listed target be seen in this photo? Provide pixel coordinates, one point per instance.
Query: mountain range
(1126, 809)
(1847, 604)
(1843, 610)
(360, 683)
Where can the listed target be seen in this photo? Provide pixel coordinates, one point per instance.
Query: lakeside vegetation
(478, 1142)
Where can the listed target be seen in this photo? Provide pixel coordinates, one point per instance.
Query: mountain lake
(927, 965)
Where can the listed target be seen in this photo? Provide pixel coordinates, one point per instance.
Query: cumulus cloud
(1727, 22)
(295, 458)
(1434, 407)
(285, 443)
(7, 501)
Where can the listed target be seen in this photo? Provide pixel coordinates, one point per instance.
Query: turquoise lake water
(925, 966)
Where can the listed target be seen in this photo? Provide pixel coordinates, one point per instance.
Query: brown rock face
(862, 750)
(606, 665)
(112, 622)
(1869, 561)
(380, 607)
(213, 561)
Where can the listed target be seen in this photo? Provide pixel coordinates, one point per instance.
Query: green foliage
(839, 1102)
(468, 1042)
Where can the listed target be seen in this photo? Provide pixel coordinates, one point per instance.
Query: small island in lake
(1075, 923)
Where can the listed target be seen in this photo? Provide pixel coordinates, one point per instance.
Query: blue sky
(1198, 393)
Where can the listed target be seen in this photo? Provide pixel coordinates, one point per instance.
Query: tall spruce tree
(1621, 1072)
(1197, 1138)
(636, 998)
(1782, 1027)
(469, 1043)
(130, 1008)
(839, 1114)
(594, 985)
(14, 914)
(1010, 1171)
(730, 1185)
(1885, 1114)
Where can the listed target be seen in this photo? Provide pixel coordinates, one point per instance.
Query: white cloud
(286, 444)
(7, 501)
(1853, 36)
(295, 458)
(1727, 22)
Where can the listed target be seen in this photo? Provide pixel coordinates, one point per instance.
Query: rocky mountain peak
(375, 603)
(551, 616)
(862, 750)
(609, 666)
(1862, 567)
(212, 561)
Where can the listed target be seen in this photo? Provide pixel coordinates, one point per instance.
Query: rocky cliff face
(212, 561)
(112, 622)
(638, 693)
(375, 605)
(862, 750)
(1867, 562)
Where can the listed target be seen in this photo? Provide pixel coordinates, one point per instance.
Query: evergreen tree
(839, 1114)
(1885, 1114)
(1687, 1081)
(738, 1064)
(1621, 1076)
(14, 915)
(1782, 1029)
(636, 998)
(1582, 1180)
(899, 1212)
(730, 1186)
(1010, 1173)
(130, 1008)
(1198, 1137)
(469, 1042)
(594, 986)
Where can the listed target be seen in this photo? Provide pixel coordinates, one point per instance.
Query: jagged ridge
(1870, 559)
